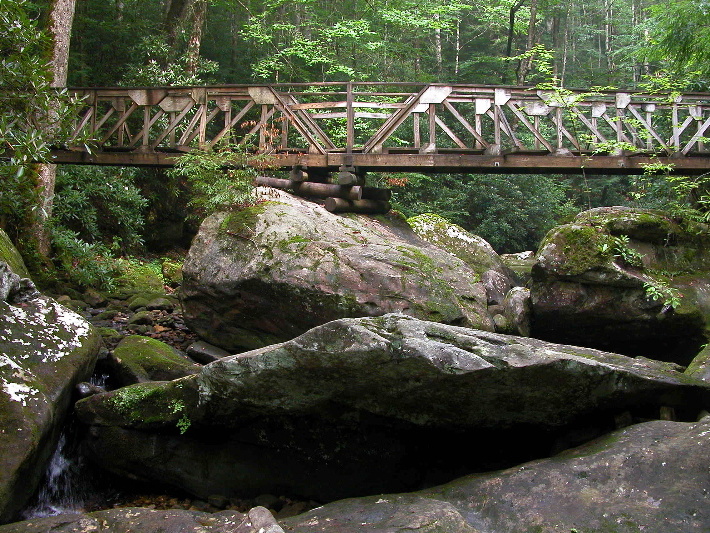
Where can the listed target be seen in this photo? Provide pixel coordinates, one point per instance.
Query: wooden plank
(591, 125)
(228, 126)
(450, 133)
(170, 129)
(533, 129)
(391, 124)
(120, 122)
(330, 105)
(648, 127)
(349, 119)
(202, 129)
(88, 116)
(481, 141)
(698, 134)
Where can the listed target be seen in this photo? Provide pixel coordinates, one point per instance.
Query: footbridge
(387, 127)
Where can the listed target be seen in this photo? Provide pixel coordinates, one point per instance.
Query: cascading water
(61, 491)
(67, 484)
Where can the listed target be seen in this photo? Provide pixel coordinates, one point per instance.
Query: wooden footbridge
(397, 127)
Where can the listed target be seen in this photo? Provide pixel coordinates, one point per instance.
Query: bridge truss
(397, 127)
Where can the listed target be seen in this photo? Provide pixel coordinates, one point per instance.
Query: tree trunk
(199, 14)
(511, 33)
(175, 14)
(526, 62)
(60, 20)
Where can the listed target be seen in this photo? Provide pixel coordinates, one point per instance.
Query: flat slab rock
(424, 373)
(651, 477)
(139, 520)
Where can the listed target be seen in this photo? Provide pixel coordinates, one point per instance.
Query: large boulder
(137, 359)
(651, 477)
(269, 272)
(139, 520)
(627, 280)
(45, 350)
(368, 405)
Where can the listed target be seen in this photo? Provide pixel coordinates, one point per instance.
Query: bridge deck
(398, 127)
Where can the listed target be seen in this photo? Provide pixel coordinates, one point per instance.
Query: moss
(151, 404)
(10, 255)
(242, 223)
(583, 248)
(138, 277)
(286, 245)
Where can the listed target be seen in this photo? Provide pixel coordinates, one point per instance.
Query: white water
(66, 486)
(61, 491)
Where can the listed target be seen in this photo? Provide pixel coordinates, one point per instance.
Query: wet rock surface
(256, 520)
(650, 477)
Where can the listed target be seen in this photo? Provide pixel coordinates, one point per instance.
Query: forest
(63, 224)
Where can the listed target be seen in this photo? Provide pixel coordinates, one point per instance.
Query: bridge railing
(370, 118)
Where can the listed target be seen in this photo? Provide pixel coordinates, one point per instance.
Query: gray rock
(160, 304)
(142, 318)
(268, 273)
(203, 352)
(394, 395)
(473, 250)
(650, 477)
(45, 350)
(122, 520)
(517, 309)
(699, 368)
(14, 289)
(497, 286)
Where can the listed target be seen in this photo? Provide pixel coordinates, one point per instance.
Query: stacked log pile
(338, 198)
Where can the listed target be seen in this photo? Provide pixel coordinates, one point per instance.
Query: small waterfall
(67, 485)
(61, 490)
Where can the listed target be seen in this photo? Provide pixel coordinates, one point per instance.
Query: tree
(60, 18)
(32, 114)
(679, 35)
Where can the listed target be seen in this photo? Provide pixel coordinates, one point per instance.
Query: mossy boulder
(613, 279)
(10, 255)
(269, 272)
(699, 367)
(137, 359)
(172, 272)
(367, 405)
(45, 350)
(139, 277)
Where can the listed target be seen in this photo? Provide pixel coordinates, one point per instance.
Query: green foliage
(512, 213)
(84, 264)
(679, 34)
(622, 251)
(661, 291)
(218, 178)
(156, 64)
(33, 116)
(100, 205)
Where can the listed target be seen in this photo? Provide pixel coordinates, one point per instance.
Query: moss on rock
(139, 359)
(10, 255)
